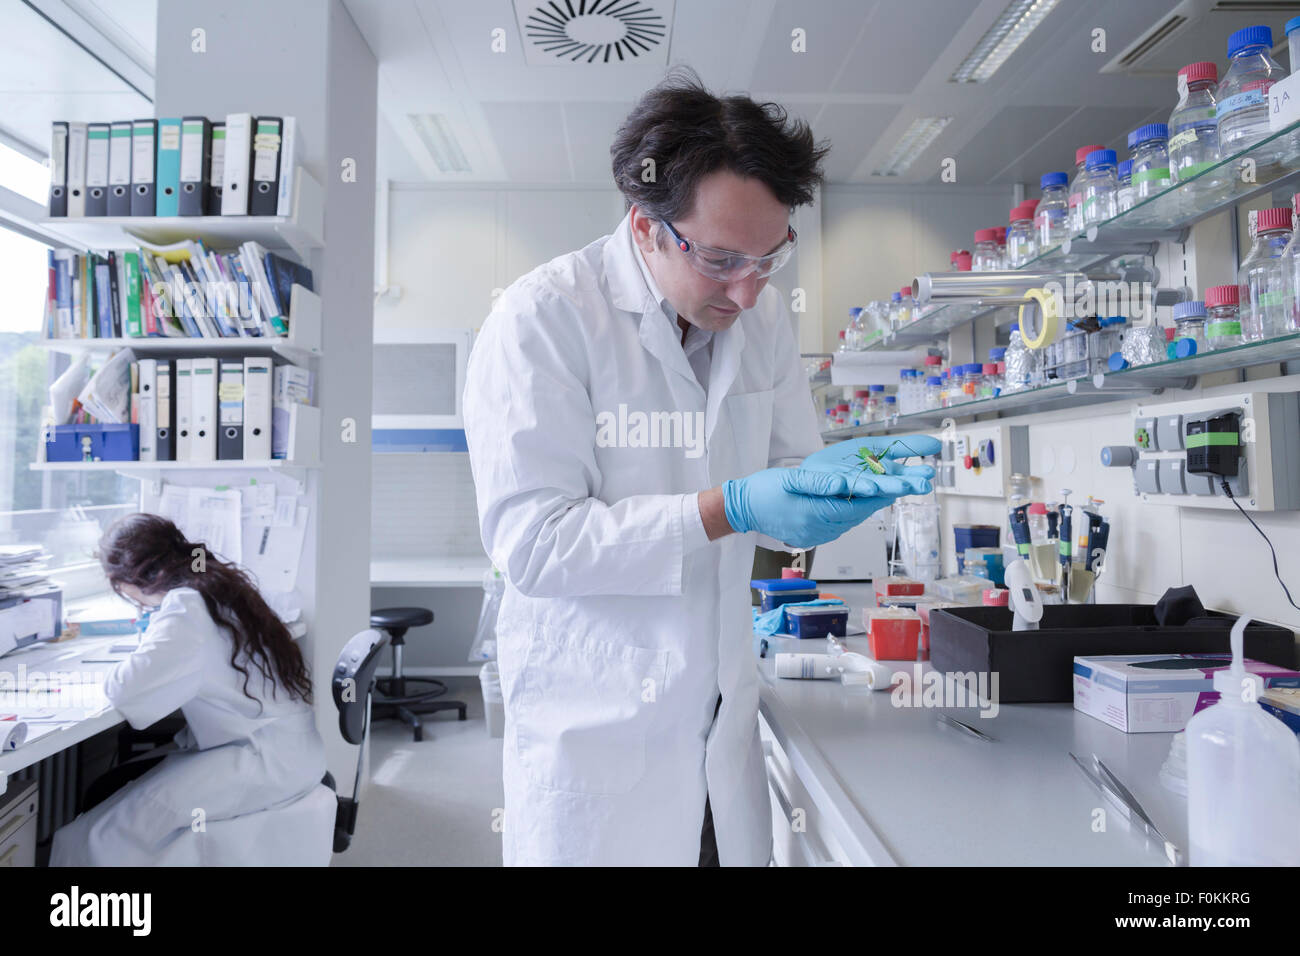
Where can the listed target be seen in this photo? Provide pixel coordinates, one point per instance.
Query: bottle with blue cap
(1193, 125)
(1100, 184)
(1052, 217)
(1189, 326)
(1242, 113)
(1150, 160)
(1125, 196)
(1292, 31)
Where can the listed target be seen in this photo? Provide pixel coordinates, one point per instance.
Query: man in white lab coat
(626, 407)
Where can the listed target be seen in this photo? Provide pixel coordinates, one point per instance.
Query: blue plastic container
(773, 592)
(819, 620)
(106, 443)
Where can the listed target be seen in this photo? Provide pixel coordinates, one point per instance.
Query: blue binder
(168, 186)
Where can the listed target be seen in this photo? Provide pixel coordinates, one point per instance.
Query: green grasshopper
(868, 461)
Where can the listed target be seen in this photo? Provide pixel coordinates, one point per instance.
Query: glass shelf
(1176, 372)
(1092, 390)
(1136, 231)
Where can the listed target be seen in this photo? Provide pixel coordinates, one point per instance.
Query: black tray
(1038, 666)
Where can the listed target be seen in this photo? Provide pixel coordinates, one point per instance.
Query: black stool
(395, 696)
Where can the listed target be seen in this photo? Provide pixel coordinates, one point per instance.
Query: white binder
(184, 413)
(97, 136)
(76, 169)
(148, 410)
(288, 166)
(257, 408)
(234, 177)
(203, 409)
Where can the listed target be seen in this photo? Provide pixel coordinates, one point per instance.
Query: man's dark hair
(689, 133)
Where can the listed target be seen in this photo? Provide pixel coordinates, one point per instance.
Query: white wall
(876, 239)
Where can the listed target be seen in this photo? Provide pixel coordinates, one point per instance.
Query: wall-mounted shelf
(302, 342)
(302, 232)
(1091, 390)
(1166, 216)
(154, 471)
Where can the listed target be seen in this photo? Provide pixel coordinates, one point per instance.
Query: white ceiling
(870, 68)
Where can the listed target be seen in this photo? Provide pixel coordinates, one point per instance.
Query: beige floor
(431, 803)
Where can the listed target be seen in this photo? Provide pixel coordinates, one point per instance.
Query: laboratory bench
(856, 780)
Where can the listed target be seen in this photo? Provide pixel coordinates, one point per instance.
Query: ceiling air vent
(561, 32)
(1162, 32)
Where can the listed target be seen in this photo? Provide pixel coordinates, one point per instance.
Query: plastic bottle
(1223, 325)
(1243, 775)
(1125, 196)
(960, 261)
(1037, 522)
(891, 409)
(1189, 324)
(843, 346)
(1100, 184)
(1263, 296)
(934, 392)
(1074, 353)
(1021, 245)
(972, 373)
(1193, 125)
(1242, 94)
(895, 311)
(1150, 160)
(1076, 187)
(986, 257)
(933, 365)
(1000, 235)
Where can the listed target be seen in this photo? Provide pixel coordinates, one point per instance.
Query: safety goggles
(724, 266)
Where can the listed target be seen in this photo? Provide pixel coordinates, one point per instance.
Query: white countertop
(905, 789)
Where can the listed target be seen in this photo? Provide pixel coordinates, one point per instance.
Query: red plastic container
(894, 639)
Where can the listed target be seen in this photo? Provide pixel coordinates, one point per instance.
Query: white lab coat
(234, 762)
(621, 623)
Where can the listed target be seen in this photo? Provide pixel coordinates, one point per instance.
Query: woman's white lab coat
(622, 623)
(200, 806)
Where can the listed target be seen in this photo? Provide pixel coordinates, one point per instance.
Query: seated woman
(217, 652)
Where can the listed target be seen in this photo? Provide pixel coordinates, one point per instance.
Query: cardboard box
(1157, 693)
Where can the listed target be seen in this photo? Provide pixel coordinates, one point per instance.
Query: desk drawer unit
(18, 816)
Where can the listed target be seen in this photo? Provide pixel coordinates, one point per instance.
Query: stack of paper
(22, 569)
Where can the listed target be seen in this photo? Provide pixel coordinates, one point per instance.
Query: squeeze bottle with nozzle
(1243, 775)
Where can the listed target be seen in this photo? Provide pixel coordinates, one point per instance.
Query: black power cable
(1276, 571)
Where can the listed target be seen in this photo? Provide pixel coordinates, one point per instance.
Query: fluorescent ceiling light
(437, 136)
(916, 139)
(1012, 28)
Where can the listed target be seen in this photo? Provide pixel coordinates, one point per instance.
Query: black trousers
(708, 843)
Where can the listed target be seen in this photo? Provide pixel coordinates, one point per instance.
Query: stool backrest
(354, 676)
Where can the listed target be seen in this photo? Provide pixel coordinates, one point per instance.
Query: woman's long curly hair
(148, 552)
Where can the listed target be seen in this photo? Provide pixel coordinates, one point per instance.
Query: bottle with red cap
(905, 307)
(1289, 319)
(1193, 128)
(1222, 325)
(1260, 281)
(960, 261)
(1076, 187)
(1021, 238)
(986, 257)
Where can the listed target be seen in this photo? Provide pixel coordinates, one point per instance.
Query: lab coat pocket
(584, 709)
(750, 417)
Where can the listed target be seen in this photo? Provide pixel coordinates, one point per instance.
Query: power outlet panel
(1268, 463)
(979, 458)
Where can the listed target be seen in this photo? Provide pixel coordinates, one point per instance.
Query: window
(65, 512)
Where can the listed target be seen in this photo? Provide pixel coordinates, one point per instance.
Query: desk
(887, 785)
(64, 657)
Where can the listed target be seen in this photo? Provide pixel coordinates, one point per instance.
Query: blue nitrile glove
(771, 622)
(842, 459)
(798, 507)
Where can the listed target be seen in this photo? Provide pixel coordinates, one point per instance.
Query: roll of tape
(1040, 318)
